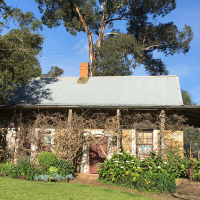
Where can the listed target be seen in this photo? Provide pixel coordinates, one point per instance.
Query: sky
(67, 52)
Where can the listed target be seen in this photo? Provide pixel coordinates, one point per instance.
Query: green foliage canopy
(54, 72)
(187, 100)
(115, 52)
(19, 50)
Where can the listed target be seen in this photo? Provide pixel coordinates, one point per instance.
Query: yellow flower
(134, 178)
(137, 175)
(127, 172)
(145, 179)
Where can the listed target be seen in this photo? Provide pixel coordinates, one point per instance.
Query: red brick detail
(84, 69)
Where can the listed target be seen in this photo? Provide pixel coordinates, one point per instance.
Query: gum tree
(115, 52)
(19, 49)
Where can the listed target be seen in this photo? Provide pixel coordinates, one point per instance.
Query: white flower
(138, 167)
(122, 167)
(127, 161)
(150, 167)
(116, 161)
(159, 167)
(120, 153)
(165, 162)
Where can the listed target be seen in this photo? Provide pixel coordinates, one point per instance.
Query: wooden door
(96, 155)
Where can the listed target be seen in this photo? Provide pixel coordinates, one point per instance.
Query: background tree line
(114, 53)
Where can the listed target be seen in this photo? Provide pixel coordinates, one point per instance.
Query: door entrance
(96, 155)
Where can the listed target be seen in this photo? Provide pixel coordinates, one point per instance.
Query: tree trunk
(190, 151)
(101, 32)
(162, 138)
(91, 51)
(89, 35)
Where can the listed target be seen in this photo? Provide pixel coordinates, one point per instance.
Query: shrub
(26, 168)
(23, 165)
(9, 169)
(47, 158)
(149, 175)
(64, 167)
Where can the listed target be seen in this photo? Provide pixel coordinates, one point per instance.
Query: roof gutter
(96, 107)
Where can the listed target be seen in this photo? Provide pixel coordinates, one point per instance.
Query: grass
(21, 189)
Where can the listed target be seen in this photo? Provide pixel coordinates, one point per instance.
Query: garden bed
(153, 174)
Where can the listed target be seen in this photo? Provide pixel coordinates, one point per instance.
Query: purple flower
(147, 121)
(12, 124)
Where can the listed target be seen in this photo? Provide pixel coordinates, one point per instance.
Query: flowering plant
(128, 171)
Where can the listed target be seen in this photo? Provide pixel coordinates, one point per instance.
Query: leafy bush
(23, 167)
(26, 168)
(47, 158)
(64, 167)
(9, 169)
(49, 166)
(180, 166)
(196, 171)
(148, 175)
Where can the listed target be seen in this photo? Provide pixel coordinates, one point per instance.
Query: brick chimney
(84, 73)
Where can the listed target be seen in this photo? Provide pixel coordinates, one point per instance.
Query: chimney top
(84, 73)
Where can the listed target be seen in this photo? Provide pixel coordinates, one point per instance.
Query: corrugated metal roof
(101, 91)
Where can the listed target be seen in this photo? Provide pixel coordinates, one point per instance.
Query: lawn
(21, 189)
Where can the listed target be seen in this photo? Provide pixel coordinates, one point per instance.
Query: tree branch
(119, 18)
(117, 9)
(82, 20)
(101, 5)
(111, 34)
(156, 45)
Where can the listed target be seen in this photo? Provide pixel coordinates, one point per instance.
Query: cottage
(159, 94)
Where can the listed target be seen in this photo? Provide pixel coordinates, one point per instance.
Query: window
(44, 140)
(144, 143)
